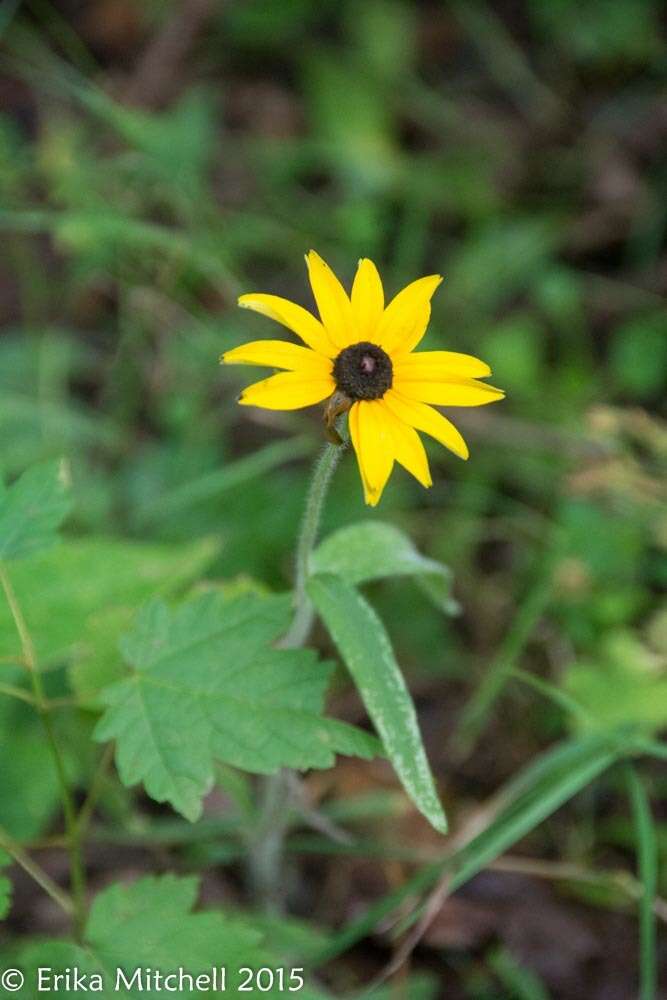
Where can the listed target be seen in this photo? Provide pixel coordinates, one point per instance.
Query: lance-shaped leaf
(32, 509)
(366, 649)
(373, 550)
(206, 685)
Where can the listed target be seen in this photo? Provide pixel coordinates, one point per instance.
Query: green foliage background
(518, 149)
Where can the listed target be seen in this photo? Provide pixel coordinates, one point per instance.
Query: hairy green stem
(303, 612)
(77, 873)
(267, 845)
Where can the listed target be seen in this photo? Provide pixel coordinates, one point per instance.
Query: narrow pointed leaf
(366, 649)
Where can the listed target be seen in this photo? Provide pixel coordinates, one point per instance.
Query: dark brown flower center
(363, 371)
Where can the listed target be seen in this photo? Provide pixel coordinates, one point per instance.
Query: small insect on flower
(360, 357)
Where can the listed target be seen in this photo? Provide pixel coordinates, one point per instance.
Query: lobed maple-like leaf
(207, 685)
(150, 926)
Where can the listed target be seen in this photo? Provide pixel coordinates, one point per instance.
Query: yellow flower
(360, 356)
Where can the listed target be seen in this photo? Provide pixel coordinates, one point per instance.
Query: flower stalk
(303, 613)
(266, 852)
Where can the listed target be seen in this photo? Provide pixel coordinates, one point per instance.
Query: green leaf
(373, 550)
(360, 143)
(88, 591)
(366, 649)
(29, 789)
(213, 485)
(515, 348)
(181, 135)
(32, 509)
(384, 33)
(517, 250)
(638, 355)
(206, 685)
(145, 923)
(625, 684)
(150, 925)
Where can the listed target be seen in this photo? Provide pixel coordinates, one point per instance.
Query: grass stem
(77, 873)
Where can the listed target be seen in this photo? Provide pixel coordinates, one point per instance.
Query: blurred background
(159, 159)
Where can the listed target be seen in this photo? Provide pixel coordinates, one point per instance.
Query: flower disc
(363, 371)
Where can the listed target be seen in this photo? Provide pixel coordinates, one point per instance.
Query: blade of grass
(214, 484)
(564, 700)
(652, 747)
(522, 983)
(476, 712)
(529, 804)
(524, 802)
(534, 804)
(505, 61)
(129, 233)
(647, 864)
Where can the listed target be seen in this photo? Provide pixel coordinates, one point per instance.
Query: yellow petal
(454, 392)
(353, 425)
(437, 365)
(371, 437)
(332, 301)
(278, 354)
(405, 319)
(287, 391)
(425, 418)
(294, 317)
(408, 448)
(367, 300)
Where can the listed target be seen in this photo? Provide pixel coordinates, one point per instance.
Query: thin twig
(13, 661)
(567, 872)
(313, 817)
(16, 692)
(96, 786)
(37, 873)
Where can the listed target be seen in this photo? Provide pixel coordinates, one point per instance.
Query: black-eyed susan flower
(360, 356)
